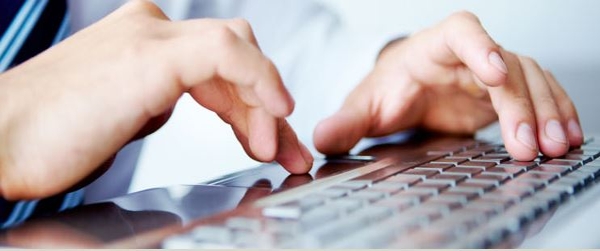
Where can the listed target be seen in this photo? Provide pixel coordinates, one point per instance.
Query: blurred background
(563, 36)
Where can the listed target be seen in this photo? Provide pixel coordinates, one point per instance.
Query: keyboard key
(409, 179)
(244, 223)
(516, 217)
(439, 153)
(525, 164)
(375, 236)
(566, 185)
(443, 183)
(593, 154)
(282, 226)
(466, 189)
(486, 211)
(345, 205)
(500, 198)
(450, 202)
(330, 193)
(552, 197)
(420, 194)
(457, 224)
(368, 196)
(488, 207)
(389, 187)
(579, 157)
(467, 155)
(511, 171)
(438, 186)
(534, 184)
(469, 195)
(497, 155)
(453, 161)
(493, 182)
(494, 159)
(353, 184)
(438, 167)
(556, 162)
(521, 190)
(583, 176)
(539, 176)
(293, 209)
(561, 170)
(317, 217)
(470, 171)
(483, 165)
(485, 187)
(456, 177)
(421, 172)
(398, 203)
(211, 234)
(431, 212)
(594, 170)
(327, 233)
(498, 177)
(248, 239)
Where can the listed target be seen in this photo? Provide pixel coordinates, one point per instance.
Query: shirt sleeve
(15, 212)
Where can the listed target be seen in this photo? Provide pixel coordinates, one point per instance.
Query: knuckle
(550, 76)
(547, 101)
(567, 105)
(463, 16)
(522, 104)
(224, 37)
(241, 24)
(528, 61)
(142, 5)
(270, 67)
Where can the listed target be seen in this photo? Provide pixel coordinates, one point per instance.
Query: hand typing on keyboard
(119, 80)
(454, 78)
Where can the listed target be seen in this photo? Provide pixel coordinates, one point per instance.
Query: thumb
(380, 105)
(341, 131)
(338, 133)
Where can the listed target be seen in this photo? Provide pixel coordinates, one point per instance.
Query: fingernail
(526, 137)
(555, 131)
(497, 62)
(306, 155)
(575, 129)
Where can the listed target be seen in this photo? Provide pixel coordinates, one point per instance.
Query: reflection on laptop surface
(431, 191)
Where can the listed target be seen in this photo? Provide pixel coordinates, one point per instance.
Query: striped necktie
(28, 27)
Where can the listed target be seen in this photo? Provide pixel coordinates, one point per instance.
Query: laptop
(425, 191)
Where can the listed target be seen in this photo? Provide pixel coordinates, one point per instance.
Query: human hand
(70, 108)
(454, 78)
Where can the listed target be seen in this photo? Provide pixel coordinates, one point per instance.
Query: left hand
(454, 78)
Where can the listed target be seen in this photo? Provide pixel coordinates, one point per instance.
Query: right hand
(70, 108)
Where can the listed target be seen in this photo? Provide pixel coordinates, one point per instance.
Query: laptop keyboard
(473, 196)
